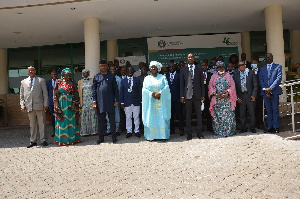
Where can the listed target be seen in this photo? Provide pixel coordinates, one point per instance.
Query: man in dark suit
(259, 99)
(192, 91)
(131, 99)
(173, 78)
(206, 113)
(246, 89)
(244, 60)
(270, 77)
(50, 85)
(105, 99)
(144, 71)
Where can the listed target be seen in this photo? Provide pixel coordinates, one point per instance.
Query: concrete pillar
(92, 45)
(246, 48)
(275, 42)
(295, 46)
(112, 50)
(3, 72)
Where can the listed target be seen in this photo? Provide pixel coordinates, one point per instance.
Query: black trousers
(102, 126)
(51, 109)
(176, 111)
(244, 106)
(188, 107)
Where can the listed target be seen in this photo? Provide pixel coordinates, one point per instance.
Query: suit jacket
(80, 83)
(209, 74)
(135, 96)
(174, 87)
(50, 91)
(275, 79)
(198, 84)
(251, 84)
(36, 99)
(105, 92)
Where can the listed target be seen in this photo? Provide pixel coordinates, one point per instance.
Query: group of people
(153, 99)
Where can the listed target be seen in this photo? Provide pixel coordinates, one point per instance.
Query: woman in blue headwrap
(66, 110)
(89, 118)
(156, 104)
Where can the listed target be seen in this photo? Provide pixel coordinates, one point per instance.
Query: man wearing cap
(105, 99)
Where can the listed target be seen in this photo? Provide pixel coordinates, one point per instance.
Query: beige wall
(245, 36)
(112, 50)
(3, 72)
(295, 46)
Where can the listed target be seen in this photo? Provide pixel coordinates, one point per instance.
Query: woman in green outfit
(66, 110)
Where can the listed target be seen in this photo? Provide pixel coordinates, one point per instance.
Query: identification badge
(129, 90)
(204, 81)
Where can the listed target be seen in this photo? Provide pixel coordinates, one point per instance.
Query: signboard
(164, 49)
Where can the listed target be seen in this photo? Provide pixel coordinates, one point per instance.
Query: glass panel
(18, 61)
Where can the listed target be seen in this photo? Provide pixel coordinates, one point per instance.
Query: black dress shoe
(138, 134)
(276, 131)
(128, 135)
(200, 136)
(242, 131)
(253, 130)
(100, 141)
(189, 137)
(270, 130)
(32, 144)
(44, 143)
(53, 135)
(114, 140)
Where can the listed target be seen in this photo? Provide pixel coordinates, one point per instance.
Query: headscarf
(85, 71)
(219, 63)
(65, 71)
(157, 64)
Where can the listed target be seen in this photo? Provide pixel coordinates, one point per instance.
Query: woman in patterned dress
(66, 110)
(223, 101)
(156, 104)
(89, 118)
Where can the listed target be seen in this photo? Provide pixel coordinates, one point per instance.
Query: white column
(245, 36)
(3, 72)
(112, 50)
(92, 44)
(274, 37)
(295, 46)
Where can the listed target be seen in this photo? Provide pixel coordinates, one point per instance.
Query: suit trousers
(259, 111)
(132, 111)
(206, 114)
(176, 110)
(51, 109)
(272, 106)
(244, 106)
(37, 121)
(101, 124)
(188, 106)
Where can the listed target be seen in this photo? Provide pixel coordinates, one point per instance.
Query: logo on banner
(122, 61)
(162, 44)
(227, 42)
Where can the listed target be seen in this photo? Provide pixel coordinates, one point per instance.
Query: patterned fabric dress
(224, 123)
(156, 114)
(89, 118)
(66, 130)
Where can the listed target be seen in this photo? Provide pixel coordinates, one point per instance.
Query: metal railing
(291, 87)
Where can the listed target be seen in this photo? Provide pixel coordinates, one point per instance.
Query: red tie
(204, 76)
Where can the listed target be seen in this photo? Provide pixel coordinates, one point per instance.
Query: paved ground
(243, 166)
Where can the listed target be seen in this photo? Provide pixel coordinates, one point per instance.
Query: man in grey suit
(192, 91)
(34, 101)
(246, 89)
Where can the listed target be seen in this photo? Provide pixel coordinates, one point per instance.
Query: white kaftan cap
(157, 64)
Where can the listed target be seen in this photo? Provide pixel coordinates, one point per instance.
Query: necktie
(191, 72)
(172, 78)
(204, 76)
(269, 72)
(243, 83)
(31, 80)
(129, 83)
(53, 82)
